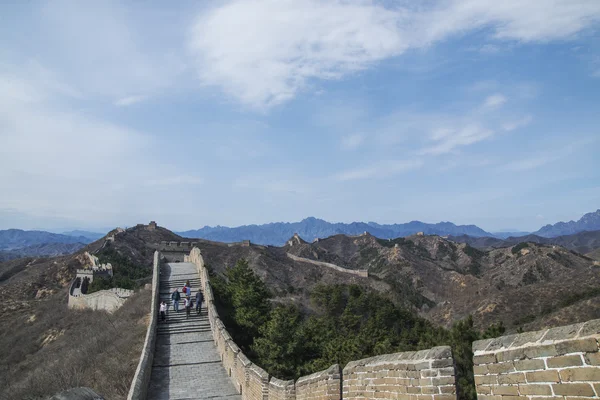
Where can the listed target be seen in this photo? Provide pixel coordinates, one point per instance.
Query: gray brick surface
(186, 362)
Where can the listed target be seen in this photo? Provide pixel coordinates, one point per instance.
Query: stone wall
(108, 300)
(358, 272)
(139, 384)
(425, 374)
(320, 385)
(557, 363)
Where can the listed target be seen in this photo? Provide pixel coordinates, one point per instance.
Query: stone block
(573, 389)
(480, 345)
(564, 361)
(541, 351)
(592, 359)
(528, 337)
(447, 372)
(510, 355)
(590, 328)
(502, 342)
(444, 397)
(580, 374)
(562, 332)
(447, 389)
(486, 380)
(445, 380)
(484, 389)
(535, 390)
(511, 378)
(501, 368)
(505, 390)
(529, 365)
(480, 369)
(484, 359)
(429, 373)
(542, 376)
(447, 362)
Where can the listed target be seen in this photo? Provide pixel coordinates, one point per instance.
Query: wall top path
(408, 357)
(538, 338)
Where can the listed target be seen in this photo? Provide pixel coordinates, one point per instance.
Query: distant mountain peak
(588, 222)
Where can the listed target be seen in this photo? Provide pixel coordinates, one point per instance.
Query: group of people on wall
(188, 301)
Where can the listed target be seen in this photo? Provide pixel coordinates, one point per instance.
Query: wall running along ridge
(109, 300)
(422, 375)
(557, 363)
(359, 272)
(139, 384)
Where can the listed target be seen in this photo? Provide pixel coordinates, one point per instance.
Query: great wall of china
(559, 363)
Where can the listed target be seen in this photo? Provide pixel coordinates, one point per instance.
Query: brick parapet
(557, 363)
(321, 385)
(139, 385)
(281, 390)
(428, 374)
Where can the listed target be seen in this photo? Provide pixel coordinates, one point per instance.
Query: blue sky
(239, 112)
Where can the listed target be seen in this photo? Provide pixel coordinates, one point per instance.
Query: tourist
(163, 310)
(199, 299)
(188, 306)
(175, 297)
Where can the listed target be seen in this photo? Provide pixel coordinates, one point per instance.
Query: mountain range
(12, 239)
(312, 228)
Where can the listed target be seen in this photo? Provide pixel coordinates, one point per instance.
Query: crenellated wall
(558, 363)
(358, 272)
(424, 375)
(139, 384)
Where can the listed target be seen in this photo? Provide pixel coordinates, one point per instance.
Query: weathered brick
(511, 378)
(486, 379)
(486, 397)
(573, 389)
(501, 368)
(448, 389)
(444, 380)
(430, 390)
(590, 328)
(505, 390)
(444, 397)
(592, 358)
(446, 362)
(509, 355)
(542, 376)
(423, 365)
(424, 397)
(413, 389)
(564, 361)
(479, 345)
(562, 332)
(541, 351)
(482, 389)
(447, 372)
(425, 382)
(484, 359)
(529, 365)
(580, 374)
(528, 337)
(480, 369)
(429, 373)
(575, 346)
(535, 390)
(502, 342)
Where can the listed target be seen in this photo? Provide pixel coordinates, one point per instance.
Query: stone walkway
(186, 363)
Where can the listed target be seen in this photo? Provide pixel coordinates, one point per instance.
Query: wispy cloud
(175, 180)
(353, 141)
(288, 44)
(494, 101)
(448, 139)
(129, 100)
(379, 170)
(517, 123)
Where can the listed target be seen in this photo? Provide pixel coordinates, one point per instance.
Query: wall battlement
(358, 272)
(556, 363)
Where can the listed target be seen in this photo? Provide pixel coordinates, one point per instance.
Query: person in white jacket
(163, 310)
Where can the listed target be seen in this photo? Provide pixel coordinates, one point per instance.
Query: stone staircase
(186, 362)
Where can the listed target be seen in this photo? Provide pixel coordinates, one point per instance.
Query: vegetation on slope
(125, 272)
(350, 323)
(51, 349)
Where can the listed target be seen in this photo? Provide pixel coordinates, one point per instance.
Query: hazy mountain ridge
(41, 250)
(589, 222)
(311, 228)
(12, 239)
(582, 242)
(86, 234)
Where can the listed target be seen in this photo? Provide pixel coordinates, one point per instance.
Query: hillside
(589, 222)
(36, 328)
(582, 242)
(311, 228)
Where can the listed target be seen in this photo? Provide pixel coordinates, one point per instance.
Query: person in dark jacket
(176, 297)
(199, 299)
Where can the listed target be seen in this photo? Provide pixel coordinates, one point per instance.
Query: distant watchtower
(152, 226)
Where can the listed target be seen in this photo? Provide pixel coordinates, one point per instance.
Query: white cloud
(379, 170)
(448, 139)
(262, 53)
(175, 180)
(529, 163)
(518, 123)
(353, 141)
(494, 101)
(129, 100)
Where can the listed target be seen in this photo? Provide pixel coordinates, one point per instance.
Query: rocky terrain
(589, 222)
